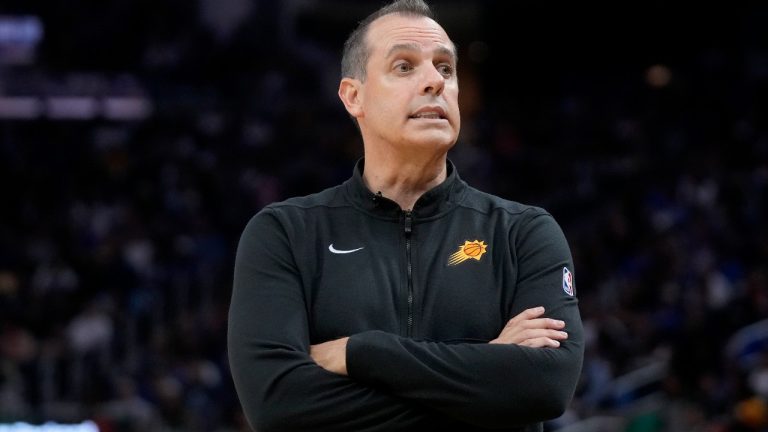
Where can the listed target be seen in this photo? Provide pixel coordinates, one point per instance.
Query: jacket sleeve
(489, 385)
(279, 385)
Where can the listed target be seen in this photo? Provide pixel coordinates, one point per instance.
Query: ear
(350, 93)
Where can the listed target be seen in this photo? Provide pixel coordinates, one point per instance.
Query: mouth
(429, 113)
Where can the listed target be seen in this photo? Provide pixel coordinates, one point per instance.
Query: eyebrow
(443, 50)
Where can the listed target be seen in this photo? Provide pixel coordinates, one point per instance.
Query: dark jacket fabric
(420, 293)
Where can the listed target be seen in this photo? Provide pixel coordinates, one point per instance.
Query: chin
(434, 138)
(441, 142)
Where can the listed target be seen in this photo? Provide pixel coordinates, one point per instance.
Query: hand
(331, 355)
(527, 329)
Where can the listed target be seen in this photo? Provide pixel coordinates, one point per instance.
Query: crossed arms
(381, 381)
(526, 329)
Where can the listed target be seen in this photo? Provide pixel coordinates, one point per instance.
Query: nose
(434, 81)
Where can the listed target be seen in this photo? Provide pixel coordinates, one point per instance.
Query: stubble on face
(410, 93)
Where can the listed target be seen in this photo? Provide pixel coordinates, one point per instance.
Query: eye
(403, 67)
(445, 69)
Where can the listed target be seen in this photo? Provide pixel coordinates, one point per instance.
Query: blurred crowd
(646, 136)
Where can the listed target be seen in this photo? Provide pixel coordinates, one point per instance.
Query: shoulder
(331, 197)
(487, 203)
(524, 221)
(291, 214)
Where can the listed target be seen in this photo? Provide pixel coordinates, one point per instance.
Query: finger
(542, 323)
(542, 333)
(542, 342)
(520, 337)
(527, 314)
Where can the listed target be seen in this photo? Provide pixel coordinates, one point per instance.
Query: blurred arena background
(137, 138)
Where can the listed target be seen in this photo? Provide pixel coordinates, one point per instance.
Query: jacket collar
(434, 202)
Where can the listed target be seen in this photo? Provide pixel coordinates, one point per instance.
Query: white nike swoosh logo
(337, 251)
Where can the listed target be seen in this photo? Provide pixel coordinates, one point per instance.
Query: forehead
(397, 29)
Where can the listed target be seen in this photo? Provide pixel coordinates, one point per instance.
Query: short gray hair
(356, 52)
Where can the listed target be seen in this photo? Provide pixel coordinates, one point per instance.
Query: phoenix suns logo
(469, 250)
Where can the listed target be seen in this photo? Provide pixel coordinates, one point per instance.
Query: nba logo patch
(567, 281)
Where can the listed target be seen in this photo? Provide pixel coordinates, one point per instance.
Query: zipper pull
(408, 223)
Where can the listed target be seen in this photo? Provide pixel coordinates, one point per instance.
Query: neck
(403, 180)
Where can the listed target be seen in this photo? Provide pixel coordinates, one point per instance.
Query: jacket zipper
(409, 268)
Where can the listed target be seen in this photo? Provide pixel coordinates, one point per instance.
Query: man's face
(409, 98)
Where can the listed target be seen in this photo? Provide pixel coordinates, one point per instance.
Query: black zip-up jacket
(420, 293)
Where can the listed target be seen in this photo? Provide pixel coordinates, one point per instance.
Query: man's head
(399, 79)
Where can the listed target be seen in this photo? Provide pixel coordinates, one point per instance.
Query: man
(403, 299)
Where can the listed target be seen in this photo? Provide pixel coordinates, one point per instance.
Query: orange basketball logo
(472, 250)
(469, 250)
